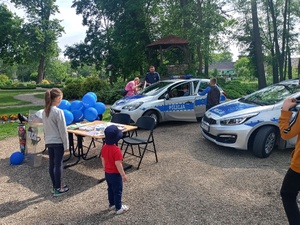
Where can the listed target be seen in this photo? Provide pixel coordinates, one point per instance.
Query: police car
(167, 100)
(251, 122)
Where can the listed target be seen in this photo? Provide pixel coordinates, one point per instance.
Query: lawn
(11, 129)
(7, 97)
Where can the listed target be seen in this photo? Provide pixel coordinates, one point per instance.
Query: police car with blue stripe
(167, 100)
(251, 122)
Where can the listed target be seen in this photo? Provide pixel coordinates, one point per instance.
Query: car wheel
(154, 115)
(264, 142)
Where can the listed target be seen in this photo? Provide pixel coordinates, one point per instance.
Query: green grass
(7, 97)
(11, 129)
(41, 96)
(8, 130)
(23, 110)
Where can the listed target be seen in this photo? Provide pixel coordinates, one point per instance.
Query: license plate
(205, 126)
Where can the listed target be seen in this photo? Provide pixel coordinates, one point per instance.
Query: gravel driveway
(194, 182)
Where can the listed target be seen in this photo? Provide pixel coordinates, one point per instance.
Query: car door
(200, 100)
(179, 105)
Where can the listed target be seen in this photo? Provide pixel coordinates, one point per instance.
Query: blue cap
(112, 134)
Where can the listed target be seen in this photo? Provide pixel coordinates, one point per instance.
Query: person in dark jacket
(213, 94)
(151, 77)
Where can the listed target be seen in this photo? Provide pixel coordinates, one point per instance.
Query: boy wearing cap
(112, 158)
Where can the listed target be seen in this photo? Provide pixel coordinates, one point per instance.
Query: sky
(74, 31)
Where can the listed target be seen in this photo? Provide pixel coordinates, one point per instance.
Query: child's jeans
(115, 188)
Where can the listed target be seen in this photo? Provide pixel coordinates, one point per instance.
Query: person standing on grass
(290, 128)
(56, 138)
(112, 158)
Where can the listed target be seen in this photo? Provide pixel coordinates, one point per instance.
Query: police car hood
(235, 108)
(131, 100)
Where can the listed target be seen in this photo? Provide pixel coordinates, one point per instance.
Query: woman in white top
(56, 138)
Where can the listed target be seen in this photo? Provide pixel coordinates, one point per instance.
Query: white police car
(167, 100)
(251, 122)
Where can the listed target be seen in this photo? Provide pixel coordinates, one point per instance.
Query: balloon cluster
(88, 108)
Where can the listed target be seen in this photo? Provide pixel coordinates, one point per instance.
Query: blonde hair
(50, 95)
(136, 79)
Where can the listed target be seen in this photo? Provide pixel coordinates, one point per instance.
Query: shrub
(73, 90)
(93, 84)
(3, 78)
(45, 82)
(236, 89)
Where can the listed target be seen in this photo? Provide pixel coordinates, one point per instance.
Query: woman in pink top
(132, 87)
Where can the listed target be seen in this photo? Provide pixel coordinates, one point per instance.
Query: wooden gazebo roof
(168, 41)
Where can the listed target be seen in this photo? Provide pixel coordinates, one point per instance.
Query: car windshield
(271, 95)
(156, 88)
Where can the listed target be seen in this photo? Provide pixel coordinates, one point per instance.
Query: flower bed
(9, 118)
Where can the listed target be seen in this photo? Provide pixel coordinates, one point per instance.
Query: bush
(93, 84)
(45, 82)
(3, 78)
(109, 94)
(72, 89)
(236, 89)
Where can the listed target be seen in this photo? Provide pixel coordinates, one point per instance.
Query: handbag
(124, 92)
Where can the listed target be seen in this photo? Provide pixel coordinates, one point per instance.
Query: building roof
(169, 40)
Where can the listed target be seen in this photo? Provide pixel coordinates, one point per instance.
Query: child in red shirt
(112, 158)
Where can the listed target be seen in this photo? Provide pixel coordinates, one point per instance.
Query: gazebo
(169, 43)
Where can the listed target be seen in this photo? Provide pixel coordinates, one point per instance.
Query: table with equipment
(94, 130)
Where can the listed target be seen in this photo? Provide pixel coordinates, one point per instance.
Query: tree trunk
(274, 61)
(41, 70)
(277, 51)
(206, 67)
(200, 60)
(258, 47)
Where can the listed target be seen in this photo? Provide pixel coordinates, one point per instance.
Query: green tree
(241, 67)
(56, 70)
(221, 57)
(11, 44)
(40, 32)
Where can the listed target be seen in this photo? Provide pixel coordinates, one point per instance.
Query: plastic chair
(144, 140)
(122, 118)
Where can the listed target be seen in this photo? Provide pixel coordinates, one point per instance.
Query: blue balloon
(90, 114)
(78, 116)
(76, 105)
(93, 94)
(100, 107)
(64, 104)
(88, 100)
(16, 158)
(68, 116)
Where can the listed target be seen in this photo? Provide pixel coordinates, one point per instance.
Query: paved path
(30, 97)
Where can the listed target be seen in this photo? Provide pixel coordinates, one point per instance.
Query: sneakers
(111, 207)
(53, 189)
(123, 209)
(60, 191)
